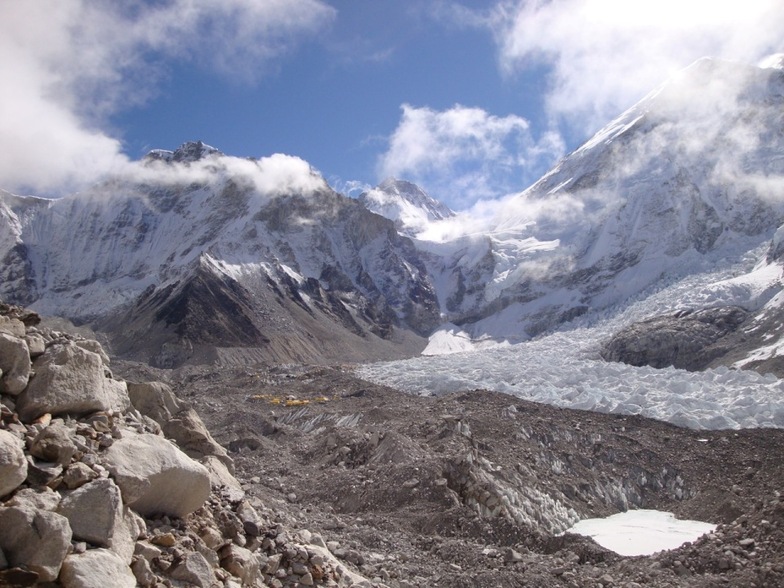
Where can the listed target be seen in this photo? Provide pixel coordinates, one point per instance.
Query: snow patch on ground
(641, 532)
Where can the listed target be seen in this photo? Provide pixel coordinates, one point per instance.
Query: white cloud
(465, 154)
(606, 54)
(70, 63)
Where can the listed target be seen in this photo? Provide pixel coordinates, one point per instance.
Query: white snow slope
(696, 167)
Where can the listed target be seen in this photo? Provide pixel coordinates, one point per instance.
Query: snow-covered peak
(188, 152)
(405, 203)
(775, 61)
(693, 172)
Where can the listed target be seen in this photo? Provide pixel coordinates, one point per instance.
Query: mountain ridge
(640, 202)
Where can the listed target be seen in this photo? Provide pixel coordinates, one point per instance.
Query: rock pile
(106, 483)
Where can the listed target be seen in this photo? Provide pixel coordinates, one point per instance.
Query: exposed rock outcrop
(687, 340)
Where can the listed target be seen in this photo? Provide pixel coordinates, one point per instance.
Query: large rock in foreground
(13, 464)
(155, 477)
(73, 380)
(97, 568)
(14, 364)
(35, 539)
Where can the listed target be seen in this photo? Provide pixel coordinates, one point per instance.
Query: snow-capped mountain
(199, 255)
(408, 205)
(195, 250)
(690, 176)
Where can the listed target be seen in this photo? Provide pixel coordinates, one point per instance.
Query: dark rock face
(687, 340)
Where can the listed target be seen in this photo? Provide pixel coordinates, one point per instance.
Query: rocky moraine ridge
(108, 483)
(311, 477)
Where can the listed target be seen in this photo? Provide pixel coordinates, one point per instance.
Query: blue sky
(472, 100)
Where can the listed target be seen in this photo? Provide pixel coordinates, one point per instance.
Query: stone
(251, 521)
(42, 473)
(222, 479)
(35, 539)
(94, 511)
(155, 477)
(36, 344)
(181, 423)
(95, 347)
(54, 443)
(77, 475)
(42, 498)
(14, 363)
(239, 562)
(96, 568)
(154, 399)
(13, 464)
(190, 433)
(147, 550)
(512, 556)
(18, 578)
(12, 326)
(164, 540)
(211, 538)
(142, 572)
(194, 569)
(70, 380)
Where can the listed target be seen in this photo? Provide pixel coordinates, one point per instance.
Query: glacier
(563, 368)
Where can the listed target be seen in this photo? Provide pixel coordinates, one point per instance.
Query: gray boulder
(35, 539)
(96, 568)
(71, 380)
(12, 326)
(54, 443)
(194, 569)
(95, 347)
(13, 465)
(14, 364)
(94, 511)
(42, 498)
(191, 434)
(155, 477)
(240, 562)
(36, 344)
(155, 400)
(178, 421)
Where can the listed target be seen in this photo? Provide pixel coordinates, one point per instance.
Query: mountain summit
(188, 152)
(406, 204)
(199, 256)
(689, 177)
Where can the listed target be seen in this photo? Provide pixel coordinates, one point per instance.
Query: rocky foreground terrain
(307, 476)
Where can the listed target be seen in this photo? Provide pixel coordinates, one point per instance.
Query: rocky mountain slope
(682, 182)
(108, 483)
(199, 256)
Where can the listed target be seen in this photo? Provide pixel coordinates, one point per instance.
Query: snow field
(641, 532)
